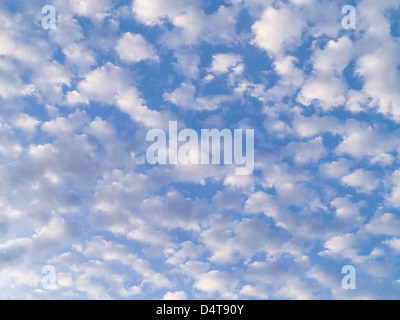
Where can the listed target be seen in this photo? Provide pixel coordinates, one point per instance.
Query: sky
(78, 195)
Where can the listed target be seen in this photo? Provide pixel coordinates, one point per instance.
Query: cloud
(341, 246)
(134, 48)
(182, 96)
(98, 248)
(77, 192)
(153, 12)
(179, 295)
(384, 224)
(306, 152)
(394, 244)
(336, 169)
(223, 63)
(254, 292)
(217, 281)
(278, 29)
(362, 180)
(187, 98)
(298, 290)
(24, 122)
(348, 213)
(393, 198)
(326, 85)
(244, 240)
(96, 87)
(187, 251)
(187, 64)
(367, 141)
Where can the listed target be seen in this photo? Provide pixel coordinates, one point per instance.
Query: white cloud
(255, 292)
(309, 127)
(187, 64)
(307, 152)
(134, 48)
(363, 181)
(179, 295)
(297, 290)
(24, 122)
(329, 92)
(19, 276)
(225, 62)
(278, 29)
(348, 212)
(186, 97)
(77, 193)
(336, 169)
(58, 127)
(383, 159)
(7, 209)
(291, 78)
(172, 211)
(101, 129)
(394, 243)
(216, 281)
(326, 85)
(394, 198)
(132, 103)
(193, 26)
(156, 279)
(367, 141)
(152, 12)
(183, 96)
(334, 58)
(381, 76)
(10, 83)
(384, 224)
(110, 85)
(98, 248)
(49, 80)
(9, 146)
(341, 246)
(186, 252)
(79, 56)
(105, 83)
(98, 9)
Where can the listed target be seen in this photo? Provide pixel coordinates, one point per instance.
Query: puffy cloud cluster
(77, 193)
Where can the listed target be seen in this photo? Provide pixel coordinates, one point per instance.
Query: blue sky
(76, 192)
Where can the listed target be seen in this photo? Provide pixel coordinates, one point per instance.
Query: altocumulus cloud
(77, 193)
